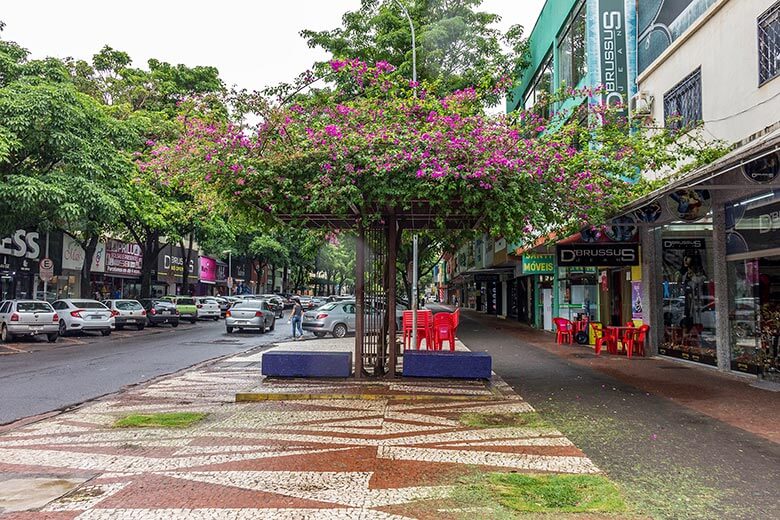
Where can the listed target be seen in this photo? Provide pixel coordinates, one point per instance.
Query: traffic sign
(46, 269)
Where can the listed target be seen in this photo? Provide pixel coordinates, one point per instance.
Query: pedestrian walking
(296, 317)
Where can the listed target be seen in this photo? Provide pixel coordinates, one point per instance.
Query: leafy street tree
(63, 163)
(457, 44)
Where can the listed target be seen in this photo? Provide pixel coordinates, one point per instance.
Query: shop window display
(689, 298)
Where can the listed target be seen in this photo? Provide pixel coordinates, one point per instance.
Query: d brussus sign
(601, 255)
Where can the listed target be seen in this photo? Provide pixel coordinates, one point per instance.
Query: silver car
(208, 308)
(250, 314)
(127, 312)
(338, 318)
(77, 315)
(27, 318)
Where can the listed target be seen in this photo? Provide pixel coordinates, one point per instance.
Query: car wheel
(273, 325)
(340, 330)
(216, 318)
(106, 332)
(52, 338)
(6, 336)
(229, 330)
(63, 328)
(262, 328)
(320, 334)
(193, 320)
(174, 324)
(140, 326)
(151, 323)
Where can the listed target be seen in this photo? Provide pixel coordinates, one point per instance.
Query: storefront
(170, 271)
(207, 276)
(536, 282)
(122, 278)
(19, 257)
(68, 283)
(753, 264)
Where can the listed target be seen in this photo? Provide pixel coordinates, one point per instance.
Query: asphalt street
(671, 461)
(43, 378)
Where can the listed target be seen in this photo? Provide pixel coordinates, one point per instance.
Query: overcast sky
(253, 43)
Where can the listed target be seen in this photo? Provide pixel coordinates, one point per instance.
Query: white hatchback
(208, 308)
(76, 315)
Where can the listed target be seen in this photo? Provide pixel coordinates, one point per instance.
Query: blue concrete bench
(454, 365)
(285, 363)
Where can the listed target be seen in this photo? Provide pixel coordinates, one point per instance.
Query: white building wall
(724, 42)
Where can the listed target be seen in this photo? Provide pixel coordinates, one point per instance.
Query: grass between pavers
(503, 420)
(515, 495)
(160, 420)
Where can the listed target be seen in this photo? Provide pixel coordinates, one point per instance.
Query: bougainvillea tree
(375, 143)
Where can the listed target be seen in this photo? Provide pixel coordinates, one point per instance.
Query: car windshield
(328, 307)
(33, 307)
(185, 301)
(88, 304)
(127, 305)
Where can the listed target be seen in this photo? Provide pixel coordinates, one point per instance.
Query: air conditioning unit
(641, 104)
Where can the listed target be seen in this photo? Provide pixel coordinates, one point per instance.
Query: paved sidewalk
(729, 398)
(391, 452)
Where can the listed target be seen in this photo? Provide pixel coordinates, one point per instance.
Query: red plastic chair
(564, 331)
(601, 339)
(424, 329)
(635, 343)
(443, 330)
(456, 318)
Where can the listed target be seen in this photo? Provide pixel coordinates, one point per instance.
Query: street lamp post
(414, 47)
(230, 270)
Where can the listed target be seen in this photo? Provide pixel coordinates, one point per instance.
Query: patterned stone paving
(316, 459)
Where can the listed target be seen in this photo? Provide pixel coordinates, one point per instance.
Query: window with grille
(769, 44)
(682, 104)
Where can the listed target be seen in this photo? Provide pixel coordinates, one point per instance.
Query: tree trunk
(151, 250)
(286, 279)
(185, 274)
(89, 246)
(273, 279)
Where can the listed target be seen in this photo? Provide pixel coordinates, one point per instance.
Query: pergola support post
(392, 274)
(360, 299)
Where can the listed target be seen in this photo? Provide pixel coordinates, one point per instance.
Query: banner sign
(534, 263)
(123, 258)
(207, 269)
(612, 54)
(73, 255)
(20, 252)
(222, 272)
(602, 255)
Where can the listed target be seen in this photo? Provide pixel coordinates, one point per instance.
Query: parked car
(277, 304)
(250, 314)
(207, 308)
(186, 307)
(224, 304)
(83, 315)
(306, 303)
(336, 318)
(127, 312)
(159, 312)
(27, 318)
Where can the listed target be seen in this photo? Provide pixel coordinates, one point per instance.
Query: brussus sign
(610, 35)
(602, 255)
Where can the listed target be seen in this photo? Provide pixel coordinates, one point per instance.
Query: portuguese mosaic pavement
(376, 450)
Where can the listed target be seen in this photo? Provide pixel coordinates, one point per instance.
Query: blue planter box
(282, 363)
(453, 365)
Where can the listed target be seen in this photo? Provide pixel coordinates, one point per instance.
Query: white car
(127, 312)
(208, 308)
(76, 315)
(27, 318)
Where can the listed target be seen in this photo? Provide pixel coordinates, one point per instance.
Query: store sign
(222, 272)
(612, 43)
(73, 255)
(689, 205)
(22, 244)
(534, 263)
(207, 269)
(604, 255)
(239, 271)
(170, 263)
(762, 170)
(123, 258)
